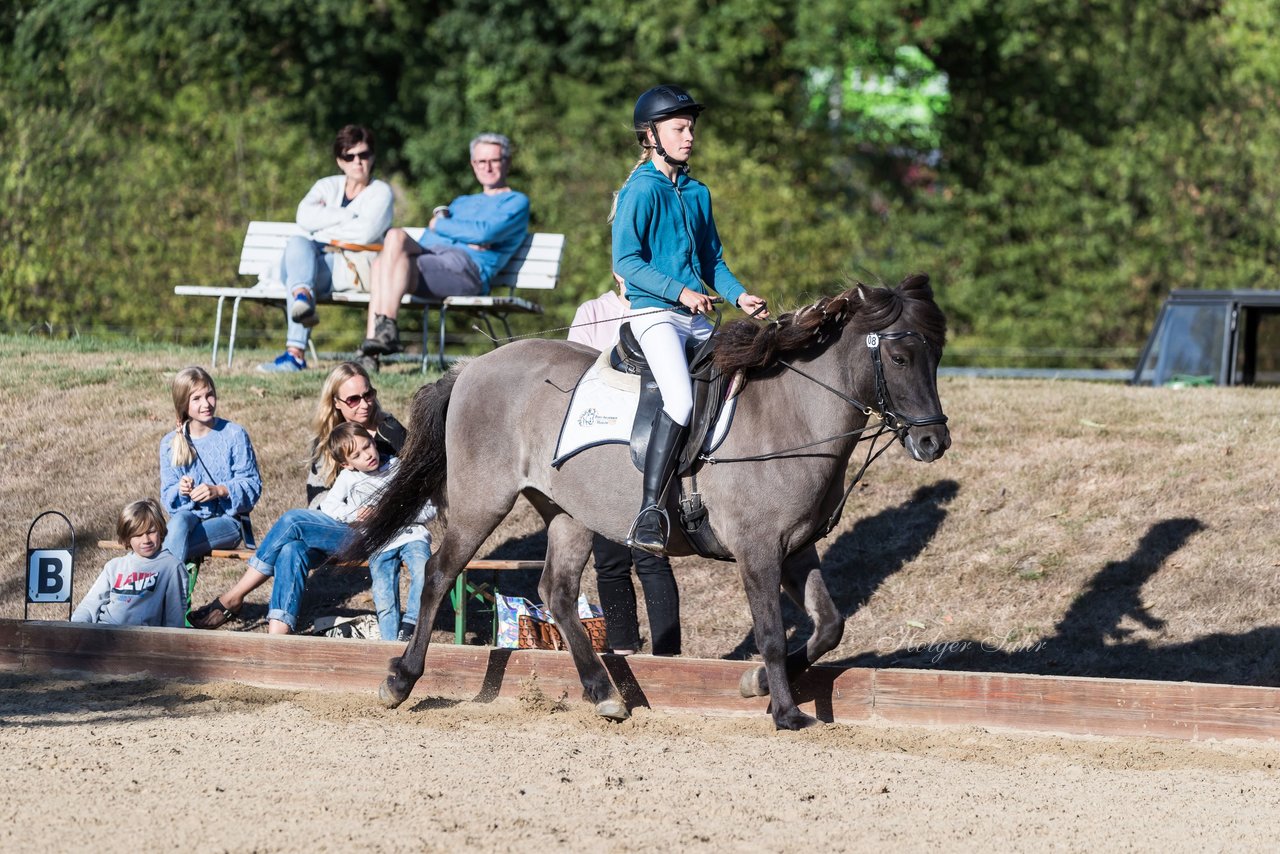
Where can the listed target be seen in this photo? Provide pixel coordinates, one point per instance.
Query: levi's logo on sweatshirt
(134, 583)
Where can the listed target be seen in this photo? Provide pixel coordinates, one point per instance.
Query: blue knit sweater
(224, 455)
(497, 223)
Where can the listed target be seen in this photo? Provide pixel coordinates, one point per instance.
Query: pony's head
(903, 332)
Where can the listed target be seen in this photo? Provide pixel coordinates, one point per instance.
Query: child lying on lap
(356, 488)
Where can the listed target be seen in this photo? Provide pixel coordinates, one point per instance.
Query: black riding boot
(660, 459)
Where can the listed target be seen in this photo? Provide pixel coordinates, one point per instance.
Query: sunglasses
(363, 155)
(354, 400)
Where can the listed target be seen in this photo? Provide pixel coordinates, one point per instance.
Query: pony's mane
(744, 345)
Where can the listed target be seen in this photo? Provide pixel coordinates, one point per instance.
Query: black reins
(890, 421)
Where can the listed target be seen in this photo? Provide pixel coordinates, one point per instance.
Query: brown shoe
(385, 340)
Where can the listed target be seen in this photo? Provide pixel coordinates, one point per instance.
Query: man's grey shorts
(446, 272)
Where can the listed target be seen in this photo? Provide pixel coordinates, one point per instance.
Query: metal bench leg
(494, 635)
(231, 341)
(460, 608)
(217, 333)
(426, 334)
(487, 318)
(443, 311)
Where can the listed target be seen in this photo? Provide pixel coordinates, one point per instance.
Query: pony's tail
(420, 476)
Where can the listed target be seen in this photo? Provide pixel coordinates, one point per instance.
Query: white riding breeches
(662, 336)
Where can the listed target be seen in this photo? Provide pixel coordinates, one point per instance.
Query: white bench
(535, 265)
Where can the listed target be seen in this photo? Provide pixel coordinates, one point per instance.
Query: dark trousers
(618, 597)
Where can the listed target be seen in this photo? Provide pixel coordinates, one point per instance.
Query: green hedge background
(1082, 159)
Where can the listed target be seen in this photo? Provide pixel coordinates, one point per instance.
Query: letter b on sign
(49, 575)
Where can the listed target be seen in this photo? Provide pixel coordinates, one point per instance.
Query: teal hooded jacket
(665, 239)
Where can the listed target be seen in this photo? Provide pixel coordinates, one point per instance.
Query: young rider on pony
(666, 247)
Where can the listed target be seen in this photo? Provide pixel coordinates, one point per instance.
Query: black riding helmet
(662, 102)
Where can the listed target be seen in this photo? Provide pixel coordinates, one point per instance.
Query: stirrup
(664, 528)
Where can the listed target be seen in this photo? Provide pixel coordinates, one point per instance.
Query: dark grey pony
(485, 434)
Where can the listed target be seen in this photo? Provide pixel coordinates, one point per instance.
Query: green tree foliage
(1089, 156)
(1130, 171)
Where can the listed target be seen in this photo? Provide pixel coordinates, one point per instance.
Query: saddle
(708, 395)
(709, 398)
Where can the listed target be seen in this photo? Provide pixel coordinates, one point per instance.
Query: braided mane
(744, 345)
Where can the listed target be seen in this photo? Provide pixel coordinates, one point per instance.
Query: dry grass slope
(1073, 528)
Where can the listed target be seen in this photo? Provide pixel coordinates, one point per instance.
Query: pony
(485, 434)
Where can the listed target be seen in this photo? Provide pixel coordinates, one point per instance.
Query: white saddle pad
(603, 408)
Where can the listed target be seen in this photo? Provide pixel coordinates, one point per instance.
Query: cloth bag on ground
(362, 626)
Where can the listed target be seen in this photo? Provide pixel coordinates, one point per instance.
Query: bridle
(890, 421)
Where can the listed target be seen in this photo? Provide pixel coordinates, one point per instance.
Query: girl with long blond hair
(667, 249)
(209, 479)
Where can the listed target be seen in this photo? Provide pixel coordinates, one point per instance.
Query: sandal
(212, 616)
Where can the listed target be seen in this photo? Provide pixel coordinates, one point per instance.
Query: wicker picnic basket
(536, 634)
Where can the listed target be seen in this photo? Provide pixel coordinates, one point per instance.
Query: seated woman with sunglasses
(302, 539)
(347, 395)
(352, 208)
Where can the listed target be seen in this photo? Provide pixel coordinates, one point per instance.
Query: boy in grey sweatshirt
(146, 587)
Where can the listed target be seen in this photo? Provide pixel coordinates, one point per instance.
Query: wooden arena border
(1049, 704)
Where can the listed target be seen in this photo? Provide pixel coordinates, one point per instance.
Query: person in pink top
(597, 321)
(596, 324)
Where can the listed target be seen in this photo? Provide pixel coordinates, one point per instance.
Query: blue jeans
(384, 570)
(297, 543)
(190, 537)
(305, 265)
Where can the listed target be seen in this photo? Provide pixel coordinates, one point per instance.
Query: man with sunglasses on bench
(351, 208)
(464, 245)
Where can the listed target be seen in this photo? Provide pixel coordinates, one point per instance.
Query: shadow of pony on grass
(1092, 639)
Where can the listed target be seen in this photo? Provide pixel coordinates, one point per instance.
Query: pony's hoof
(614, 710)
(754, 683)
(388, 697)
(795, 720)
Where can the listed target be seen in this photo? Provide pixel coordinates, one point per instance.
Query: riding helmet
(662, 102)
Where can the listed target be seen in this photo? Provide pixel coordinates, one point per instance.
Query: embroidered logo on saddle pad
(603, 409)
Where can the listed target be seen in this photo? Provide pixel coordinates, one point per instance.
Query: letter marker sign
(49, 571)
